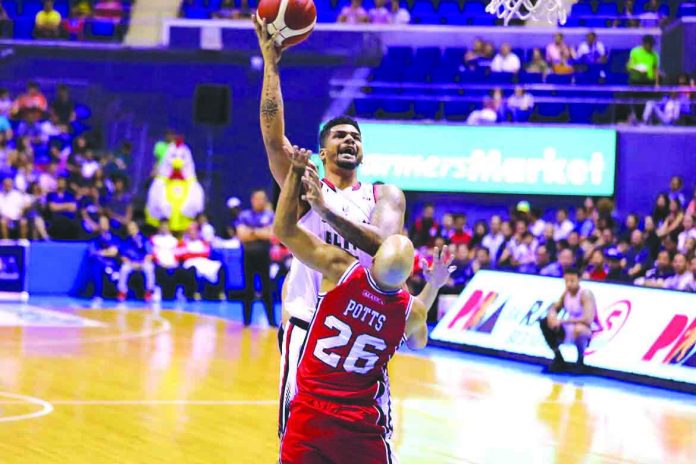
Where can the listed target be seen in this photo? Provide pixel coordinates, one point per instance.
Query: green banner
(491, 159)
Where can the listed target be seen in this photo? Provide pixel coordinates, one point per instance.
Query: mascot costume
(175, 194)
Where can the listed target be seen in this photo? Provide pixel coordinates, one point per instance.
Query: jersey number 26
(352, 363)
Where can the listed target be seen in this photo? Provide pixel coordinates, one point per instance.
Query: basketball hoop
(552, 11)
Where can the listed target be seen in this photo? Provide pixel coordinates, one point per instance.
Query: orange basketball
(294, 20)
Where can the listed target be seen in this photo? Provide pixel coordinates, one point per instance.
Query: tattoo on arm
(269, 110)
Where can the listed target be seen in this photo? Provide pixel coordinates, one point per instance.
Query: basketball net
(553, 11)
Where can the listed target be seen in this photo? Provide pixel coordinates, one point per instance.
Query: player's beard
(349, 165)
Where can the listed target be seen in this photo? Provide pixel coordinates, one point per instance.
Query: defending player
(339, 413)
(349, 214)
(580, 305)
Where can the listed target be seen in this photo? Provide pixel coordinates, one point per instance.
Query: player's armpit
(416, 327)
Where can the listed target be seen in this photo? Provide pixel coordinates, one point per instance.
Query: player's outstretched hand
(438, 273)
(313, 194)
(267, 42)
(299, 158)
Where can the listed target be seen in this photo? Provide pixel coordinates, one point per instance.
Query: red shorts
(315, 435)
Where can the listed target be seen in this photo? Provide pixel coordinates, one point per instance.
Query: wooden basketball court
(119, 385)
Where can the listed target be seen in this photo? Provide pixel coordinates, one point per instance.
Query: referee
(254, 229)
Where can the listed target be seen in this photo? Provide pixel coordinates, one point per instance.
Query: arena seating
(23, 13)
(586, 13)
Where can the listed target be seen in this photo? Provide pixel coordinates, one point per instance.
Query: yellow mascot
(175, 194)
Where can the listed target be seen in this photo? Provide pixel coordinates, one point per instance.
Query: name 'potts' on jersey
(302, 283)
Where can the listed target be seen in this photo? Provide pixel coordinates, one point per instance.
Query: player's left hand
(313, 194)
(438, 273)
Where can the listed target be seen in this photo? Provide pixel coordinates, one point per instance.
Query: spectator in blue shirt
(89, 210)
(62, 206)
(119, 206)
(584, 225)
(637, 256)
(676, 190)
(254, 229)
(103, 256)
(136, 255)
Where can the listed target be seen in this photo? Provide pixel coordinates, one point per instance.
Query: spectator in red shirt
(597, 268)
(425, 229)
(461, 235)
(108, 10)
(194, 252)
(30, 102)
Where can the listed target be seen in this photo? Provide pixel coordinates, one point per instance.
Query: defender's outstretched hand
(270, 50)
(299, 158)
(313, 194)
(439, 272)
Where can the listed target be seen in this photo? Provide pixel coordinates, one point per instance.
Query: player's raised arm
(387, 217)
(331, 261)
(271, 112)
(436, 275)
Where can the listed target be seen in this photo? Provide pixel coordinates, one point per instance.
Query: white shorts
(294, 335)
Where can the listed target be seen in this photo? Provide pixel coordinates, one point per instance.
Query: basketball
(293, 19)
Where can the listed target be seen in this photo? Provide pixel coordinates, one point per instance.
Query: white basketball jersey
(302, 283)
(573, 304)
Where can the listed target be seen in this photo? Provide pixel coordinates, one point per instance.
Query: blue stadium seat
(607, 9)
(501, 78)
(474, 77)
(400, 109)
(389, 73)
(581, 113)
(597, 22)
(450, 12)
(458, 110)
(550, 112)
(424, 109)
(453, 55)
(616, 78)
(474, 9)
(424, 13)
(486, 20)
(400, 56)
(23, 28)
(196, 12)
(618, 60)
(581, 9)
(365, 107)
(326, 13)
(428, 57)
(101, 29)
(559, 79)
(531, 78)
(444, 74)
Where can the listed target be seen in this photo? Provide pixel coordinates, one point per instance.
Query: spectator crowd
(657, 249)
(589, 60)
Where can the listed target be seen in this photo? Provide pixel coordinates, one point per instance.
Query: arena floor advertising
(133, 384)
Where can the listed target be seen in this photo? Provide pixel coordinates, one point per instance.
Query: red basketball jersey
(356, 329)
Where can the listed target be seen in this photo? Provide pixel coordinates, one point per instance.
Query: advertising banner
(495, 159)
(643, 331)
(13, 264)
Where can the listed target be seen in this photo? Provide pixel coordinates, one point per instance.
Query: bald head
(393, 262)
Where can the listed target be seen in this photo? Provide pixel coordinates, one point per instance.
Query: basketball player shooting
(355, 216)
(580, 305)
(340, 412)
